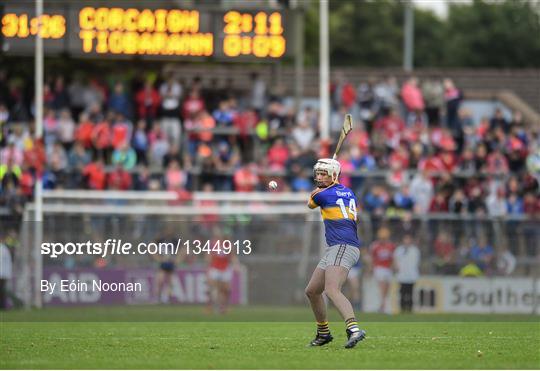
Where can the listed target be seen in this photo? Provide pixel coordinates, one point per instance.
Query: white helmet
(331, 166)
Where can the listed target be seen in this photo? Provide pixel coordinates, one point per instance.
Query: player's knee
(311, 292)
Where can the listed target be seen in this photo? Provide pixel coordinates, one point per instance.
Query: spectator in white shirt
(66, 129)
(258, 92)
(496, 203)
(303, 134)
(506, 262)
(171, 95)
(422, 192)
(407, 265)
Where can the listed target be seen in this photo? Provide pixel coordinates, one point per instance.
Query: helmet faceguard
(330, 167)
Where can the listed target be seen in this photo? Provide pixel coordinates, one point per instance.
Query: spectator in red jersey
(391, 127)
(102, 138)
(439, 203)
(432, 164)
(445, 251)
(348, 95)
(412, 95)
(343, 93)
(245, 121)
(382, 251)
(278, 155)
(246, 178)
(119, 179)
(531, 205)
(83, 132)
(95, 176)
(359, 137)
(449, 161)
(35, 156)
(121, 131)
(482, 129)
(400, 157)
(175, 177)
(397, 176)
(442, 139)
(206, 124)
(148, 101)
(221, 266)
(193, 105)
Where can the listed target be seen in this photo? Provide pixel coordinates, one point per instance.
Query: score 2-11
(260, 35)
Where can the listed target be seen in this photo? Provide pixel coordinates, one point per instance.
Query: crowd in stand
(177, 135)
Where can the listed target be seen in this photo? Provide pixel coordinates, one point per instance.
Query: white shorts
(220, 275)
(382, 274)
(340, 255)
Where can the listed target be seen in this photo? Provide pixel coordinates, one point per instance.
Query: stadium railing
(286, 235)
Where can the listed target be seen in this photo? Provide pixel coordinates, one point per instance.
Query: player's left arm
(314, 201)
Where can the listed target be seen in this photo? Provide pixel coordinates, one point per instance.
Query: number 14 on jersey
(344, 211)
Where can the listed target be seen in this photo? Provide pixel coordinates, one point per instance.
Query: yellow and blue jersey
(338, 210)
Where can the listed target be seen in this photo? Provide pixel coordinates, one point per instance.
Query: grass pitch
(259, 338)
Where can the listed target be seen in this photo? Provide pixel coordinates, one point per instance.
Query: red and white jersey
(219, 261)
(382, 253)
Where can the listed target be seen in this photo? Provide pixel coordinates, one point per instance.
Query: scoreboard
(99, 30)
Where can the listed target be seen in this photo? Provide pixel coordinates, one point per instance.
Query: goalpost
(286, 234)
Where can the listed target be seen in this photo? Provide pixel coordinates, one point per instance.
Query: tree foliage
(478, 34)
